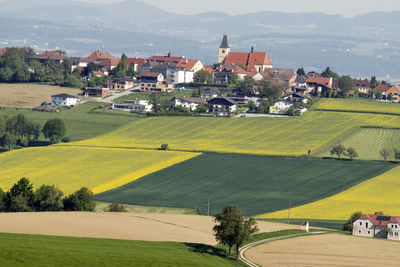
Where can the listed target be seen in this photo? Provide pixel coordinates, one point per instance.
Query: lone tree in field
(351, 152)
(54, 129)
(338, 151)
(348, 226)
(396, 153)
(385, 153)
(232, 229)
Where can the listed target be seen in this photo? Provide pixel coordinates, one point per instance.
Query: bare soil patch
(30, 95)
(147, 227)
(327, 250)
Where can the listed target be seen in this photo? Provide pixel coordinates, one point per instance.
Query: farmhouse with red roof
(374, 225)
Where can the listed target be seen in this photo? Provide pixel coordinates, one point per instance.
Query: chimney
(169, 54)
(252, 49)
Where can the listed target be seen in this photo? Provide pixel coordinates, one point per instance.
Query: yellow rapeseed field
(70, 168)
(378, 194)
(265, 136)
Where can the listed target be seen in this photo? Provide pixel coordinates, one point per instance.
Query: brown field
(327, 250)
(147, 227)
(30, 95)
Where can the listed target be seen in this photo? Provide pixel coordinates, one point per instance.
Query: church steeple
(224, 49)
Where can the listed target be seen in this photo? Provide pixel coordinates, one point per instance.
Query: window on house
(366, 225)
(360, 223)
(396, 234)
(369, 232)
(359, 231)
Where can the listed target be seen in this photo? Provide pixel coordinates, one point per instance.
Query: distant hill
(360, 46)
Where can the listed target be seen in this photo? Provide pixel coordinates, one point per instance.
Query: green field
(368, 142)
(268, 136)
(34, 250)
(103, 206)
(164, 96)
(81, 122)
(256, 184)
(357, 105)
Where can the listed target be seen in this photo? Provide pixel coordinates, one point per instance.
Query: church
(253, 61)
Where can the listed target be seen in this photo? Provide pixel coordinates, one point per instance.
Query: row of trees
(19, 130)
(16, 68)
(340, 150)
(22, 198)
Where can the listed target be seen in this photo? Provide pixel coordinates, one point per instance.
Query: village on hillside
(241, 83)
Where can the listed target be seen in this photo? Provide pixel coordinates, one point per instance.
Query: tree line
(23, 198)
(19, 130)
(385, 153)
(16, 67)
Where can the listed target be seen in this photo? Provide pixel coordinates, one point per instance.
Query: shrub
(81, 200)
(164, 147)
(48, 198)
(66, 139)
(115, 207)
(348, 226)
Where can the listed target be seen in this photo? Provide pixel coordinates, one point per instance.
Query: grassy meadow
(103, 206)
(368, 142)
(313, 131)
(377, 194)
(256, 184)
(30, 95)
(357, 105)
(35, 250)
(82, 123)
(71, 168)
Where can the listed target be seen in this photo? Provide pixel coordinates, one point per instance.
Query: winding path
(243, 249)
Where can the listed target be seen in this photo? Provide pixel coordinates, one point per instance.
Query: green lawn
(368, 142)
(328, 224)
(81, 122)
(357, 105)
(103, 206)
(256, 184)
(163, 97)
(34, 250)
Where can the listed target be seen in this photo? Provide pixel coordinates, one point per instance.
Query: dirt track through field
(149, 227)
(327, 250)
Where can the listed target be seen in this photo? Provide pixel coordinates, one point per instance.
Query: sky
(347, 8)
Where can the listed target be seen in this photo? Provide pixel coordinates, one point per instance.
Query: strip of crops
(71, 168)
(268, 136)
(377, 194)
(254, 183)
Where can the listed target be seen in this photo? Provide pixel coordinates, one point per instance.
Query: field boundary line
(243, 249)
(358, 111)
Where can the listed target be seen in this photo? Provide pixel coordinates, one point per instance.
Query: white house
(134, 106)
(64, 100)
(280, 107)
(190, 103)
(179, 75)
(374, 225)
(222, 106)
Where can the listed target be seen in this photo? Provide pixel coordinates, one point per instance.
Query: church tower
(224, 49)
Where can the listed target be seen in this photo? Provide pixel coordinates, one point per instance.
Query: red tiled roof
(188, 64)
(383, 87)
(109, 62)
(138, 61)
(2, 51)
(148, 74)
(362, 83)
(320, 80)
(98, 56)
(373, 218)
(247, 59)
(168, 58)
(51, 53)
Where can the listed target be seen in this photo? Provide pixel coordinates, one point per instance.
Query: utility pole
(208, 207)
(290, 206)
